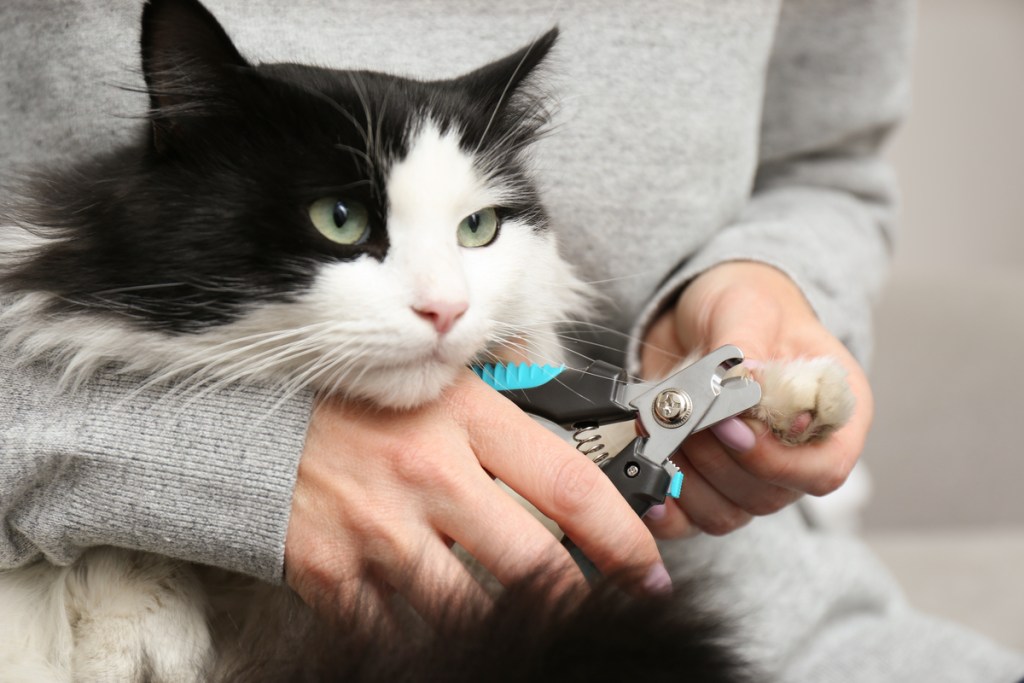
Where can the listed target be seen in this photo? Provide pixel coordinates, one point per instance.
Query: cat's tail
(529, 636)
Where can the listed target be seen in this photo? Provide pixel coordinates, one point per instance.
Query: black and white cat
(351, 232)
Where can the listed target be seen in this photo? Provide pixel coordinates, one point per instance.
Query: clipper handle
(577, 395)
(641, 482)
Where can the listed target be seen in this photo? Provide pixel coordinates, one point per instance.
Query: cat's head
(347, 230)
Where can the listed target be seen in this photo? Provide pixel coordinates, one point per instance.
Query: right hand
(381, 494)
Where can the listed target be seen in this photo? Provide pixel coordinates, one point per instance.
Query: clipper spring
(588, 441)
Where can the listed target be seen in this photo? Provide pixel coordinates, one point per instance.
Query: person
(715, 170)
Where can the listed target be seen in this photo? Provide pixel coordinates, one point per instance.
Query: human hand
(739, 473)
(382, 494)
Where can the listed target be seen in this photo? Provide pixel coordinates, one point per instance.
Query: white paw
(802, 400)
(137, 617)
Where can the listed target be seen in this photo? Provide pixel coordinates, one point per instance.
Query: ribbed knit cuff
(207, 479)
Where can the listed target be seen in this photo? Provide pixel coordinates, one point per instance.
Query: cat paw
(137, 617)
(803, 400)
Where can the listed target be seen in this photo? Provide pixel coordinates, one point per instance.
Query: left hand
(760, 310)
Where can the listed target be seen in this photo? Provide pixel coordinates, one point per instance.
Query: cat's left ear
(186, 57)
(497, 82)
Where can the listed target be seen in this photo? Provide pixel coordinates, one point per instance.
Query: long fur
(530, 636)
(189, 260)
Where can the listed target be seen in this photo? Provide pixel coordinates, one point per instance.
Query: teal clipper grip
(563, 395)
(517, 375)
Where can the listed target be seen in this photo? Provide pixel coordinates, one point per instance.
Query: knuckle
(825, 486)
(831, 480)
(575, 481)
(419, 463)
(365, 528)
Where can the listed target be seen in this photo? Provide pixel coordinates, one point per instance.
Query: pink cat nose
(441, 314)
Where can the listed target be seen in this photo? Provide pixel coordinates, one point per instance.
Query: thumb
(748, 320)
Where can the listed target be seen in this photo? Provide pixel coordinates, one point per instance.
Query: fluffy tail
(606, 635)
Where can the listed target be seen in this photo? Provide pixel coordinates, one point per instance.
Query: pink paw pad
(799, 425)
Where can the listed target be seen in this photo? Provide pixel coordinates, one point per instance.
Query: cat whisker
(377, 143)
(537, 114)
(588, 342)
(361, 156)
(221, 377)
(329, 376)
(371, 134)
(580, 324)
(504, 94)
(336, 106)
(532, 124)
(138, 288)
(222, 356)
(630, 276)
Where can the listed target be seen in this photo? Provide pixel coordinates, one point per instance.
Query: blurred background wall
(947, 452)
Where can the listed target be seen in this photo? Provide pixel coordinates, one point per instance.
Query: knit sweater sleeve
(822, 204)
(206, 477)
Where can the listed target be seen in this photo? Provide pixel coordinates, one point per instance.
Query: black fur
(207, 214)
(529, 637)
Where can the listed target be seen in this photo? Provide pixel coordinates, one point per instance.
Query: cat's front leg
(802, 400)
(136, 617)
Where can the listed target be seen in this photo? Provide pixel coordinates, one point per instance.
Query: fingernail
(657, 513)
(658, 582)
(735, 434)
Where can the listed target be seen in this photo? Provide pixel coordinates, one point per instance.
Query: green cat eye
(340, 220)
(478, 229)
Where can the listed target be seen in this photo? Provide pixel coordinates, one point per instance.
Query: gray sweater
(690, 133)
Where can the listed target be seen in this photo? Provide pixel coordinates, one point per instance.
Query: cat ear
(495, 83)
(185, 55)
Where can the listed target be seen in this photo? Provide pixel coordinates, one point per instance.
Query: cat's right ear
(186, 55)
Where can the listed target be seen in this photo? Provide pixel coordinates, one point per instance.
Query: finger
(817, 468)
(564, 484)
(813, 468)
(735, 434)
(716, 464)
(668, 521)
(343, 596)
(369, 603)
(705, 506)
(435, 583)
(507, 540)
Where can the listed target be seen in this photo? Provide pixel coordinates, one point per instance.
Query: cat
(350, 232)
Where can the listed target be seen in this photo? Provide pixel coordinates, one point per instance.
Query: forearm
(834, 247)
(206, 477)
(822, 203)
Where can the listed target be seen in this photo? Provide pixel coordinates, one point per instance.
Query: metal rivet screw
(672, 408)
(632, 470)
